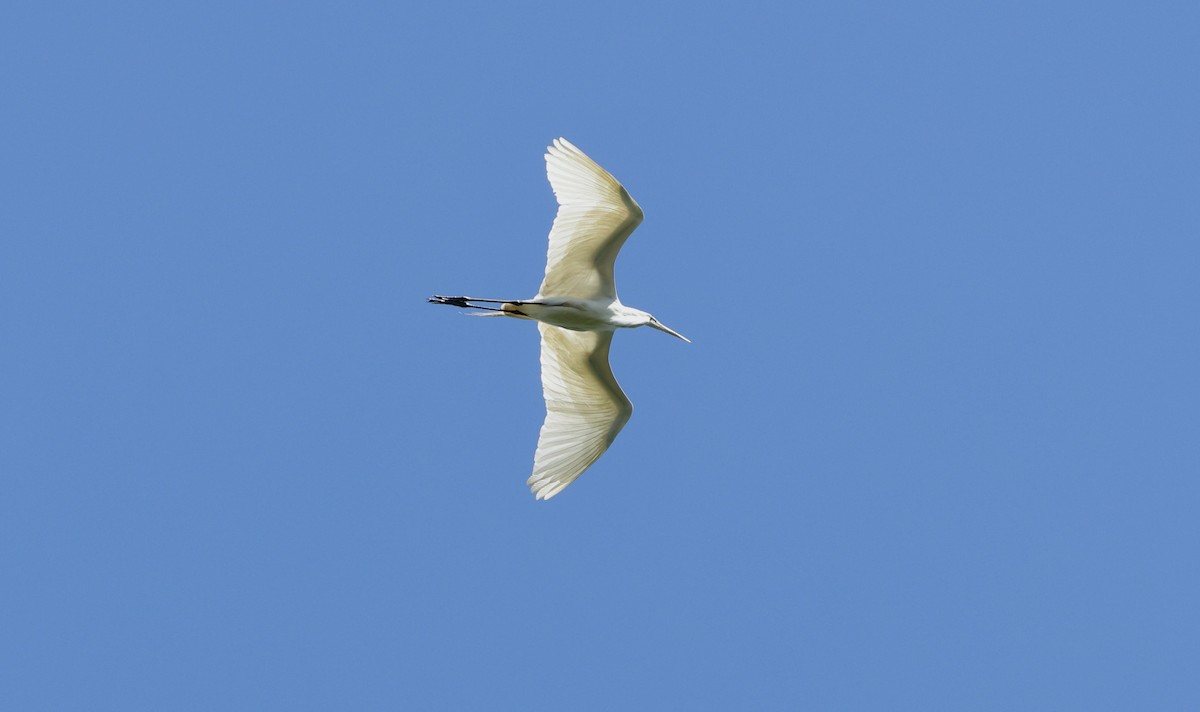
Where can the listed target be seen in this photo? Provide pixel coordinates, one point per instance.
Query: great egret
(577, 311)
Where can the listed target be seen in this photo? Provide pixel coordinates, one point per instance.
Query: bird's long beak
(663, 327)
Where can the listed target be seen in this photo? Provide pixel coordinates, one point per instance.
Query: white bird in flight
(577, 311)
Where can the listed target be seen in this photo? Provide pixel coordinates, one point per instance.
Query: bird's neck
(628, 316)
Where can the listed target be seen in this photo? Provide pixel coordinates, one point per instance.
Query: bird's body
(577, 311)
(582, 314)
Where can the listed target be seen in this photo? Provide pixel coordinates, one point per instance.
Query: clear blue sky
(936, 444)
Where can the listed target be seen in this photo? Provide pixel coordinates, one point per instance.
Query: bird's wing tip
(561, 144)
(545, 490)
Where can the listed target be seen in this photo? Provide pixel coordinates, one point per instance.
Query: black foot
(452, 301)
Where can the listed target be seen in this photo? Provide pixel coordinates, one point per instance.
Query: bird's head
(663, 327)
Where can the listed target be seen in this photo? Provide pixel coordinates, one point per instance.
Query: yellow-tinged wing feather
(595, 216)
(585, 407)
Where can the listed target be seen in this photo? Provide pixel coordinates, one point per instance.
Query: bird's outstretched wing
(585, 408)
(595, 215)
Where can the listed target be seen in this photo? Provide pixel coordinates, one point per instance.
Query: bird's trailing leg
(465, 303)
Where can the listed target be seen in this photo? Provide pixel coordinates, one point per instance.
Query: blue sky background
(935, 444)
